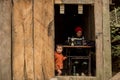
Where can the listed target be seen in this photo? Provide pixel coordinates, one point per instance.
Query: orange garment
(59, 58)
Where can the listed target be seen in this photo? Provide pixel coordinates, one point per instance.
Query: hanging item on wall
(80, 9)
(62, 8)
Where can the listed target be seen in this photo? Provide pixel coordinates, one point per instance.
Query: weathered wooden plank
(38, 40)
(28, 28)
(49, 39)
(5, 39)
(75, 78)
(116, 77)
(74, 1)
(22, 40)
(106, 41)
(43, 42)
(99, 39)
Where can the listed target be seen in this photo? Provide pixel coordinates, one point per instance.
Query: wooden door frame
(102, 38)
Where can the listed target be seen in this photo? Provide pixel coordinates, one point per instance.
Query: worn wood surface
(106, 41)
(38, 40)
(22, 40)
(43, 39)
(33, 39)
(5, 39)
(99, 39)
(74, 1)
(33, 44)
(75, 78)
(116, 77)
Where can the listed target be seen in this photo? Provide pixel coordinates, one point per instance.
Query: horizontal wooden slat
(74, 1)
(75, 78)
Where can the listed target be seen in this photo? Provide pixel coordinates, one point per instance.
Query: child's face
(79, 33)
(59, 49)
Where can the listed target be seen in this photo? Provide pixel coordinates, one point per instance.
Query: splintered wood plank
(43, 39)
(99, 39)
(106, 41)
(5, 39)
(22, 40)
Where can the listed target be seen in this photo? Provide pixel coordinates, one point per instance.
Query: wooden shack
(27, 38)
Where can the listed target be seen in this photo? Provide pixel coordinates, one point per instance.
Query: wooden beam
(5, 40)
(99, 39)
(74, 1)
(106, 41)
(22, 40)
(75, 78)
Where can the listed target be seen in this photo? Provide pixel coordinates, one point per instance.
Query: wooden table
(78, 57)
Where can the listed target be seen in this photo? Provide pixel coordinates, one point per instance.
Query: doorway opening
(64, 27)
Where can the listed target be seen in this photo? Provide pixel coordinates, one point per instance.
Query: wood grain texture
(106, 41)
(74, 1)
(22, 40)
(38, 39)
(99, 39)
(33, 39)
(5, 39)
(75, 78)
(43, 41)
(116, 77)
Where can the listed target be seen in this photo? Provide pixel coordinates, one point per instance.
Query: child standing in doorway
(59, 58)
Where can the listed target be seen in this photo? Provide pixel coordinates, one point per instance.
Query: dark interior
(66, 23)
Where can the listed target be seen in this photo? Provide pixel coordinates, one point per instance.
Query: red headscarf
(78, 28)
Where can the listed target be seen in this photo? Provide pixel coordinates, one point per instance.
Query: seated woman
(78, 66)
(78, 39)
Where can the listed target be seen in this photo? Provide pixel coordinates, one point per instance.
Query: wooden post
(5, 40)
(106, 41)
(99, 39)
(22, 40)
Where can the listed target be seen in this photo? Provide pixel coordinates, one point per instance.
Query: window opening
(65, 24)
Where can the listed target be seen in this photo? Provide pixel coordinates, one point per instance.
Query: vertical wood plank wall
(32, 54)
(33, 40)
(5, 40)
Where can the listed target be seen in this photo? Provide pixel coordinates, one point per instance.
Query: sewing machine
(76, 41)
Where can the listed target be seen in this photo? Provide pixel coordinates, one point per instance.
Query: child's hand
(65, 57)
